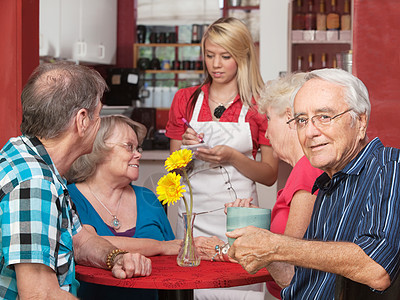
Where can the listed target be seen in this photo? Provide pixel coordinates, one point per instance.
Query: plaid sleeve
(32, 211)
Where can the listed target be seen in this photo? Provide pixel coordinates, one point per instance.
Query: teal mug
(239, 217)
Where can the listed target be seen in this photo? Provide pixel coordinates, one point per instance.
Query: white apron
(214, 185)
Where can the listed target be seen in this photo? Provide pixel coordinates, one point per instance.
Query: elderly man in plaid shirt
(41, 234)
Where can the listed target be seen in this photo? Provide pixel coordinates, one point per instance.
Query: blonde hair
(277, 93)
(234, 36)
(85, 166)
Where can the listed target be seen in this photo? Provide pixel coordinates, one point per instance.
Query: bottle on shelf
(299, 59)
(345, 19)
(298, 17)
(321, 16)
(310, 19)
(310, 62)
(333, 18)
(323, 60)
(334, 62)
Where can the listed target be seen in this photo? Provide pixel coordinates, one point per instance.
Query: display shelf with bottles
(325, 41)
(176, 66)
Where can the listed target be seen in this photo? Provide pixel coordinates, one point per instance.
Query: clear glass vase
(187, 256)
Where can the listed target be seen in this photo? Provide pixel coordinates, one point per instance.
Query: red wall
(19, 23)
(126, 32)
(377, 64)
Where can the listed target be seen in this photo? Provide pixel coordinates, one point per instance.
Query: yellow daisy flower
(178, 159)
(169, 188)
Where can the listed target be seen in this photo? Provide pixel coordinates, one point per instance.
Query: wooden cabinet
(306, 45)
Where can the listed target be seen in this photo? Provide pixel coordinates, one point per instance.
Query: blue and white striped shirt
(360, 204)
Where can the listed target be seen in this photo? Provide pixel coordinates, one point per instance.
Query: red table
(167, 275)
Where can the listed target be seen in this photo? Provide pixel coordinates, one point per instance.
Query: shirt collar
(354, 167)
(34, 144)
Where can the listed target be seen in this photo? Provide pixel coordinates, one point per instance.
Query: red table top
(167, 275)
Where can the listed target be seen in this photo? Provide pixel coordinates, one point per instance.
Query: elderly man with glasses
(354, 232)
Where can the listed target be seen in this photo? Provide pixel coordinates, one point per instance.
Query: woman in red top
(222, 113)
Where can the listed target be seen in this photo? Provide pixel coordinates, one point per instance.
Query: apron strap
(197, 107)
(243, 113)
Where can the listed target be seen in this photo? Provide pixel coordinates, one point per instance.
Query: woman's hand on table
(131, 265)
(245, 202)
(206, 248)
(171, 247)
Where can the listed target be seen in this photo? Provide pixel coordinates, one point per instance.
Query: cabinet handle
(81, 48)
(102, 51)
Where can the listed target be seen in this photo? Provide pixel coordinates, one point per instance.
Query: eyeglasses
(129, 147)
(228, 183)
(318, 120)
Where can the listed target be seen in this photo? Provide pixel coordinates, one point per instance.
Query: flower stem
(190, 191)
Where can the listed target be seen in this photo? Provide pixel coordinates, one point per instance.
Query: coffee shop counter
(154, 155)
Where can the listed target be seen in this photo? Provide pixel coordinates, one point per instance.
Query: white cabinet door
(69, 28)
(49, 28)
(97, 32)
(79, 30)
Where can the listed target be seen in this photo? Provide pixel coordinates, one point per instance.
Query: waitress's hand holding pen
(191, 137)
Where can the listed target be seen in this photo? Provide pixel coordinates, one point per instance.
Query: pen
(188, 125)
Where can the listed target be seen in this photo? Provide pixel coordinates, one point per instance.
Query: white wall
(273, 59)
(273, 37)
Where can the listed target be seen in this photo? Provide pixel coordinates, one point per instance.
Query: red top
(167, 275)
(179, 109)
(302, 177)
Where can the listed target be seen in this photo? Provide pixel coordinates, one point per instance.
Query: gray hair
(54, 93)
(85, 166)
(277, 93)
(355, 92)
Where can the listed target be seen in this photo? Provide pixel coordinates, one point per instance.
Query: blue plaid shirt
(360, 204)
(37, 217)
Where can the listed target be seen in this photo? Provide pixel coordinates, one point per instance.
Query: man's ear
(289, 114)
(363, 125)
(82, 121)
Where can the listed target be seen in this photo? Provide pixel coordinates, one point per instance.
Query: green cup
(239, 217)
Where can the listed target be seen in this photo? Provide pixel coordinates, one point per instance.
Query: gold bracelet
(111, 257)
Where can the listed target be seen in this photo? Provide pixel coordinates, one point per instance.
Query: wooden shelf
(321, 42)
(242, 7)
(167, 45)
(173, 71)
(332, 49)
